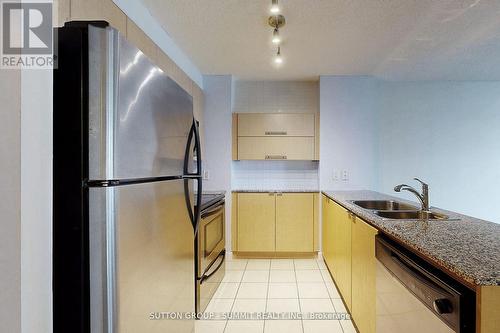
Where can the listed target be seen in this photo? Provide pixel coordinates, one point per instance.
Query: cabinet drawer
(275, 124)
(276, 148)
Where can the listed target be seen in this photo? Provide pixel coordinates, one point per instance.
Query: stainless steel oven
(210, 246)
(414, 297)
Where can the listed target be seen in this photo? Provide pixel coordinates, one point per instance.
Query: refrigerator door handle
(196, 215)
(194, 133)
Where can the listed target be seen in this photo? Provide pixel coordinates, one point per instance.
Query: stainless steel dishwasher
(414, 297)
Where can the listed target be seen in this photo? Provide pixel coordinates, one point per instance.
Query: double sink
(395, 210)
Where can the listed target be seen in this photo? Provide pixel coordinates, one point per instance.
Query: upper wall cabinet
(275, 136)
(275, 124)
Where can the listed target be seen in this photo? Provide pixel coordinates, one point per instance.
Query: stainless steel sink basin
(383, 205)
(411, 215)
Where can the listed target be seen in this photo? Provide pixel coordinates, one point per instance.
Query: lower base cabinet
(294, 227)
(363, 294)
(256, 222)
(349, 251)
(275, 222)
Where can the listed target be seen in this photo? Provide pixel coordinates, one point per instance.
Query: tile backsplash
(275, 175)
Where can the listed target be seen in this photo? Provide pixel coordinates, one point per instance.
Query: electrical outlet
(206, 175)
(335, 175)
(345, 175)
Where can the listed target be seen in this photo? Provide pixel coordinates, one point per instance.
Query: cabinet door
(341, 251)
(363, 276)
(276, 124)
(256, 222)
(327, 232)
(294, 222)
(275, 148)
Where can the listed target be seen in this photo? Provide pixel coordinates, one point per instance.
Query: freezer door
(139, 118)
(141, 258)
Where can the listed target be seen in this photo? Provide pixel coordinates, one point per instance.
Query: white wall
(36, 200)
(218, 122)
(10, 201)
(347, 132)
(448, 134)
(136, 11)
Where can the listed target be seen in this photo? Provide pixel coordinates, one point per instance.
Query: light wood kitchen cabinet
(274, 222)
(364, 262)
(327, 234)
(256, 222)
(275, 136)
(276, 124)
(349, 252)
(341, 250)
(294, 214)
(276, 148)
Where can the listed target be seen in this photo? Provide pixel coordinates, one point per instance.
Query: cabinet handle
(276, 157)
(279, 194)
(275, 132)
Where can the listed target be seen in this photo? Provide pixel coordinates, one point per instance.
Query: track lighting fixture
(275, 9)
(276, 36)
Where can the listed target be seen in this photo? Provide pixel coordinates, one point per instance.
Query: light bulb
(276, 37)
(278, 59)
(275, 9)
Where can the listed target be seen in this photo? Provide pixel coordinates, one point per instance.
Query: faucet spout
(423, 198)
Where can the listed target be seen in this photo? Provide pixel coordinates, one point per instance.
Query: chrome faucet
(423, 198)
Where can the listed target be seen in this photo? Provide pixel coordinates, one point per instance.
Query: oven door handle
(207, 276)
(212, 211)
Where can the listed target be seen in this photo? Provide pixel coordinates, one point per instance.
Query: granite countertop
(276, 190)
(466, 247)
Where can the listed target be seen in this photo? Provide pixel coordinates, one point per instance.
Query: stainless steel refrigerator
(127, 165)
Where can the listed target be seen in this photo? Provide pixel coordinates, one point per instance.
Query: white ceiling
(390, 39)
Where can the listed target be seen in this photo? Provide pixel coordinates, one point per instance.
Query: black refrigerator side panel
(70, 198)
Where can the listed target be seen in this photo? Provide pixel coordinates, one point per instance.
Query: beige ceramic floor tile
(283, 326)
(339, 305)
(244, 326)
(238, 265)
(283, 305)
(220, 305)
(321, 264)
(326, 275)
(322, 326)
(312, 290)
(233, 276)
(249, 305)
(252, 290)
(305, 264)
(280, 264)
(226, 290)
(256, 276)
(347, 326)
(309, 276)
(332, 290)
(258, 264)
(283, 290)
(282, 276)
(316, 305)
(209, 326)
